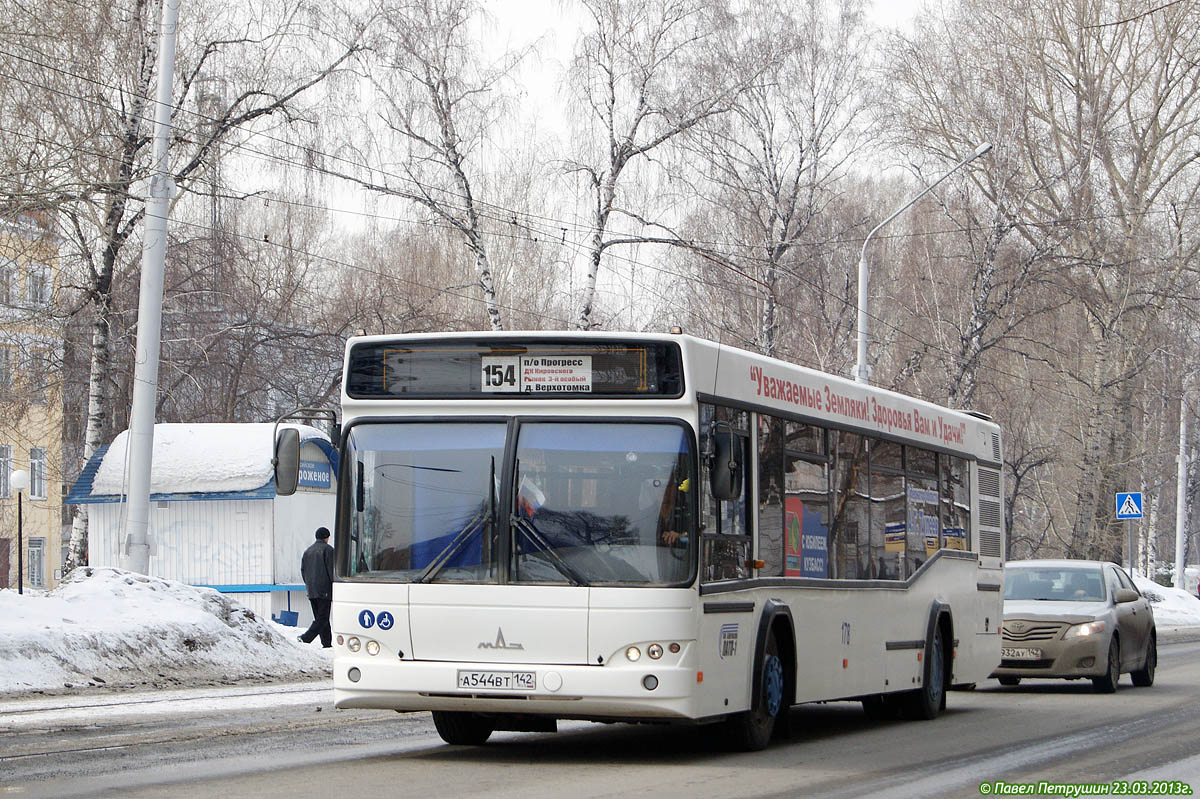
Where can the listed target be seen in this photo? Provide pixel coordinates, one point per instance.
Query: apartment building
(31, 409)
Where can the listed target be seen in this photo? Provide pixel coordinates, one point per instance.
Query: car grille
(1026, 664)
(1031, 631)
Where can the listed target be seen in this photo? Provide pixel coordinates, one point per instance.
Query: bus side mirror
(287, 462)
(725, 467)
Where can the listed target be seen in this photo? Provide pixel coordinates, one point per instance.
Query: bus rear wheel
(462, 729)
(928, 701)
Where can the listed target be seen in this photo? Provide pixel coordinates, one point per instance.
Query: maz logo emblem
(499, 643)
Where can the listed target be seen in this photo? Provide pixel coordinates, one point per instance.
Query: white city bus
(652, 528)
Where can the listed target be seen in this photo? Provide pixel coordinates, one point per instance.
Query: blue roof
(81, 490)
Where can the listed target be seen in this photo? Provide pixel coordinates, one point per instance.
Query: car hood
(1054, 610)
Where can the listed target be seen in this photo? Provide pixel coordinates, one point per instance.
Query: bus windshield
(589, 503)
(423, 500)
(602, 503)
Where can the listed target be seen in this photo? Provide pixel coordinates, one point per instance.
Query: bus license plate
(1024, 653)
(498, 680)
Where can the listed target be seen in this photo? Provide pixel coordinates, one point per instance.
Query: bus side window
(724, 531)
(771, 527)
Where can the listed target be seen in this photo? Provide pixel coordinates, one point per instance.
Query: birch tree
(93, 71)
(644, 73)
(770, 171)
(1100, 102)
(439, 103)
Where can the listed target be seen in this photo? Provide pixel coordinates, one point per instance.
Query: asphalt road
(288, 741)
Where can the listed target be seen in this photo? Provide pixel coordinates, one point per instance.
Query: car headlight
(1085, 629)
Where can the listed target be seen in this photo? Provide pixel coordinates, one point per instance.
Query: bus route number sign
(536, 374)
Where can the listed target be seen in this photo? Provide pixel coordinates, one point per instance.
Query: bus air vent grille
(989, 482)
(989, 513)
(996, 447)
(990, 543)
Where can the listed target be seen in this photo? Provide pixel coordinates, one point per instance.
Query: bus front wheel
(462, 729)
(752, 729)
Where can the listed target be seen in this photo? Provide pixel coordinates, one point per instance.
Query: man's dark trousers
(320, 625)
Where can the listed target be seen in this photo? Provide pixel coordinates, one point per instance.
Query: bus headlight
(353, 644)
(654, 651)
(633, 654)
(372, 647)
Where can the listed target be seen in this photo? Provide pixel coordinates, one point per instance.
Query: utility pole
(136, 550)
(862, 371)
(1181, 486)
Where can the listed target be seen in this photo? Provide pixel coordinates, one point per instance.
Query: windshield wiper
(452, 549)
(485, 519)
(531, 532)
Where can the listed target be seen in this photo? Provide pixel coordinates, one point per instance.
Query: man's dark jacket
(316, 567)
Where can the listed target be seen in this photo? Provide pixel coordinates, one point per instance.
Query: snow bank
(1172, 607)
(106, 626)
(198, 457)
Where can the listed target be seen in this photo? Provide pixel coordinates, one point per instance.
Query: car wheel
(462, 729)
(1144, 677)
(752, 729)
(1009, 681)
(1108, 683)
(928, 701)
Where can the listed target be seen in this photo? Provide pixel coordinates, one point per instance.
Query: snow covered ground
(1173, 607)
(104, 627)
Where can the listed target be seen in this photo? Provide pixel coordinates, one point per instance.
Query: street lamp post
(862, 371)
(20, 481)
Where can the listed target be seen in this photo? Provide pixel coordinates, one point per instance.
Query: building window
(5, 368)
(39, 284)
(36, 375)
(5, 470)
(37, 473)
(8, 282)
(37, 562)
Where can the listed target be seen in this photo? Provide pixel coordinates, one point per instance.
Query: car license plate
(498, 680)
(1023, 653)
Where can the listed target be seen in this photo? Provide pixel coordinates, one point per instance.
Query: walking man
(316, 567)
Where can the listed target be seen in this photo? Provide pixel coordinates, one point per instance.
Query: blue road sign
(1129, 505)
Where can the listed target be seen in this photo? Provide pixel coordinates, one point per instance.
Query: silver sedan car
(1075, 618)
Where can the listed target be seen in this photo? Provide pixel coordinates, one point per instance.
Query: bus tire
(928, 701)
(752, 729)
(462, 729)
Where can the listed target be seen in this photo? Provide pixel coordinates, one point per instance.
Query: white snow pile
(198, 457)
(113, 628)
(1173, 607)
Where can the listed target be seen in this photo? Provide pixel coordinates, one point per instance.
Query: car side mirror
(1127, 595)
(287, 462)
(725, 466)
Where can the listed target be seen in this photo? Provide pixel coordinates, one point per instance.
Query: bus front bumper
(645, 690)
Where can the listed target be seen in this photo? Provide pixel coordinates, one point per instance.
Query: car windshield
(588, 503)
(1071, 584)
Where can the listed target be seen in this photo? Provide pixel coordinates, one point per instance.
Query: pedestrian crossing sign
(1129, 505)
